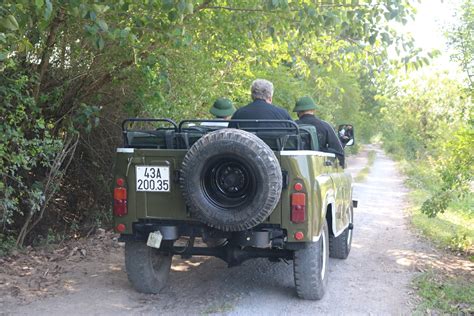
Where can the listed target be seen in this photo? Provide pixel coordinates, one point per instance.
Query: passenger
(327, 138)
(261, 107)
(222, 109)
(346, 134)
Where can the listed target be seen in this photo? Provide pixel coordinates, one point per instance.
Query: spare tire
(231, 180)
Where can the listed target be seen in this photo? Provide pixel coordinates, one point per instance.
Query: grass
(453, 229)
(219, 308)
(362, 175)
(440, 292)
(452, 295)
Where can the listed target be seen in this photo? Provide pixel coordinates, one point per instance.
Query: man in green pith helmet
(328, 140)
(222, 109)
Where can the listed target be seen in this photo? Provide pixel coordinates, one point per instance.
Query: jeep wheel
(340, 246)
(147, 269)
(231, 180)
(310, 266)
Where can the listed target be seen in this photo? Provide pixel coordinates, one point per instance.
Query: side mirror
(345, 132)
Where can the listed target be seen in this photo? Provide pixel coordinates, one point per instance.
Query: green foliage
(70, 71)
(456, 171)
(452, 295)
(7, 244)
(26, 147)
(430, 122)
(451, 229)
(461, 38)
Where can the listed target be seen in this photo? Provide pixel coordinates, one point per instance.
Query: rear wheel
(340, 246)
(310, 266)
(147, 269)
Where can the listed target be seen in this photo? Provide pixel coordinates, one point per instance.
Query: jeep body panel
(326, 186)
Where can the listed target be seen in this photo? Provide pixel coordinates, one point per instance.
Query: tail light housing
(120, 199)
(298, 207)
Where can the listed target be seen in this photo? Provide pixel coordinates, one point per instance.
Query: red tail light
(298, 207)
(120, 200)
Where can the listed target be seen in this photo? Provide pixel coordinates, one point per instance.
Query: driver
(327, 138)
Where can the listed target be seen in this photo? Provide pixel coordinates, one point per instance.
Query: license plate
(153, 178)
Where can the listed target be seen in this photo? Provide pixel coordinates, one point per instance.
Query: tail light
(298, 207)
(120, 199)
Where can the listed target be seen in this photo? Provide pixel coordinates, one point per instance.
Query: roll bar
(292, 125)
(124, 123)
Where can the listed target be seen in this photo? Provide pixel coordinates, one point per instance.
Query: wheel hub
(231, 180)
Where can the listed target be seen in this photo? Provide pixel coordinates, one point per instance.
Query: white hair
(261, 89)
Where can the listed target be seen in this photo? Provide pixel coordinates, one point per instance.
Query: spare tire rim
(228, 182)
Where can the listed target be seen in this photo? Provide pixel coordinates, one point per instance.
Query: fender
(331, 201)
(324, 187)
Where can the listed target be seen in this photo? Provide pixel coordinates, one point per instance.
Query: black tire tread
(140, 271)
(260, 149)
(338, 247)
(306, 269)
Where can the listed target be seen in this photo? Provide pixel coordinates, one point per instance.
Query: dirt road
(374, 279)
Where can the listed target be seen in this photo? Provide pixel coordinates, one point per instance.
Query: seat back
(309, 137)
(158, 139)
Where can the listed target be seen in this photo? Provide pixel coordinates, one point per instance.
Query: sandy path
(374, 279)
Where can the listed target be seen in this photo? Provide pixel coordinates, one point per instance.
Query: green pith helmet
(304, 104)
(222, 108)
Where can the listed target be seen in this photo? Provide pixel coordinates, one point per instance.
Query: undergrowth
(448, 294)
(451, 229)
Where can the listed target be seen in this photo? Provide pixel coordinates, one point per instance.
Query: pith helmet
(304, 104)
(222, 108)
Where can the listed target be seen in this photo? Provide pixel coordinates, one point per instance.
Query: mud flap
(154, 239)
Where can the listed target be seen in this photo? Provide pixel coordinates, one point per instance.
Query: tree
(461, 38)
(70, 71)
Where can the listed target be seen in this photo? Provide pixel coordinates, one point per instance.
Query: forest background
(71, 71)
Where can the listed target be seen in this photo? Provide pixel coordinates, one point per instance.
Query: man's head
(304, 105)
(222, 108)
(262, 89)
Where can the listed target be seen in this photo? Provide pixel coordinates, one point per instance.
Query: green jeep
(202, 189)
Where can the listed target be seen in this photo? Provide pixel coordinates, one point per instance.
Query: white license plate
(153, 178)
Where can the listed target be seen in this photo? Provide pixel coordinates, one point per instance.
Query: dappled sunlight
(70, 285)
(115, 267)
(184, 265)
(422, 261)
(356, 245)
(405, 262)
(121, 306)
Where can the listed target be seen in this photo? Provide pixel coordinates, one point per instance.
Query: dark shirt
(327, 138)
(259, 110)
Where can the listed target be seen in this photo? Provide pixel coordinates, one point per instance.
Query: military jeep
(198, 188)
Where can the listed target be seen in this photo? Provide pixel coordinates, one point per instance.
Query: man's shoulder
(239, 111)
(280, 110)
(324, 123)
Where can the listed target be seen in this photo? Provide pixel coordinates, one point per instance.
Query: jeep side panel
(324, 183)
